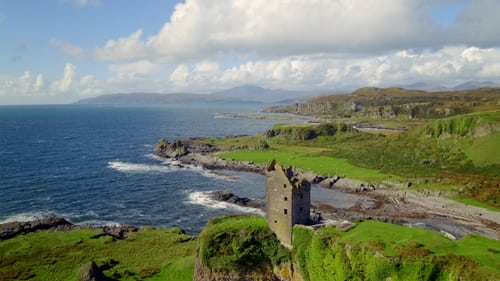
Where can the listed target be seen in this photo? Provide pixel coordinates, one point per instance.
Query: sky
(60, 51)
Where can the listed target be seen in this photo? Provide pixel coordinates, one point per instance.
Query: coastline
(393, 202)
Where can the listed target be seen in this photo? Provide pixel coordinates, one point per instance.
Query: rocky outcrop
(175, 149)
(226, 196)
(258, 273)
(356, 185)
(118, 232)
(90, 272)
(11, 229)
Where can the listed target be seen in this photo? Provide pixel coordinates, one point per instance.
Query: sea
(95, 165)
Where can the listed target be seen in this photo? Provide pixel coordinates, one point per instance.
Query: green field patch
(476, 203)
(484, 150)
(181, 269)
(306, 161)
(375, 251)
(48, 255)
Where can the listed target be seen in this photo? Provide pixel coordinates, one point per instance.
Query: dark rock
(226, 196)
(175, 149)
(11, 229)
(90, 272)
(120, 232)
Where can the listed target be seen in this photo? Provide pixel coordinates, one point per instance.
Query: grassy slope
(238, 241)
(315, 162)
(405, 254)
(159, 254)
(457, 154)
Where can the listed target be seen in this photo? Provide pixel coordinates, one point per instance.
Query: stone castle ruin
(288, 201)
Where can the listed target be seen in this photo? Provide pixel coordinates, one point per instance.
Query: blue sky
(57, 51)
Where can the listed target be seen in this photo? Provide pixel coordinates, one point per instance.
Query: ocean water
(94, 164)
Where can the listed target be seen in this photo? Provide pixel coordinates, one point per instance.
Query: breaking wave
(126, 167)
(166, 166)
(203, 198)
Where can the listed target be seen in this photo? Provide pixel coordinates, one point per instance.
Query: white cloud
(141, 68)
(212, 28)
(447, 66)
(201, 29)
(122, 49)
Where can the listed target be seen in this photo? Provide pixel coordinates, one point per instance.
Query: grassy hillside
(375, 251)
(150, 254)
(234, 242)
(458, 153)
(397, 103)
(244, 247)
(370, 251)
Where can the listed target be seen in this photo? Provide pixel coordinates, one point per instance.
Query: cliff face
(258, 273)
(244, 248)
(241, 248)
(284, 272)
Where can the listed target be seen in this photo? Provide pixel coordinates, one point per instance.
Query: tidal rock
(226, 196)
(11, 229)
(176, 149)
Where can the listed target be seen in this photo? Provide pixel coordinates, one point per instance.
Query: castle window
(285, 211)
(301, 209)
(284, 185)
(301, 196)
(275, 221)
(286, 198)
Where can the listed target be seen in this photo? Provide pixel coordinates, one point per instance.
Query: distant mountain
(255, 93)
(471, 85)
(431, 87)
(246, 94)
(154, 98)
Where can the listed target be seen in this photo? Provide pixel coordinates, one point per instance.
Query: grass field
(315, 162)
(376, 251)
(159, 254)
(457, 155)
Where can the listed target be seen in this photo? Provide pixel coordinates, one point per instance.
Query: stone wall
(287, 201)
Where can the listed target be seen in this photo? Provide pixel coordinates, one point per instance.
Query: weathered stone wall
(287, 201)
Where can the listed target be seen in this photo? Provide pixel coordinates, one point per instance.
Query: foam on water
(127, 167)
(178, 165)
(98, 223)
(203, 198)
(25, 217)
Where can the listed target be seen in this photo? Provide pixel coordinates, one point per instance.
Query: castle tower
(288, 201)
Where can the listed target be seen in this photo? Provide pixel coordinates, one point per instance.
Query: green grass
(181, 269)
(238, 241)
(394, 236)
(315, 162)
(476, 203)
(47, 255)
(408, 254)
(484, 150)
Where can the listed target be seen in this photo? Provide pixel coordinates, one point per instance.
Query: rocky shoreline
(12, 229)
(393, 201)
